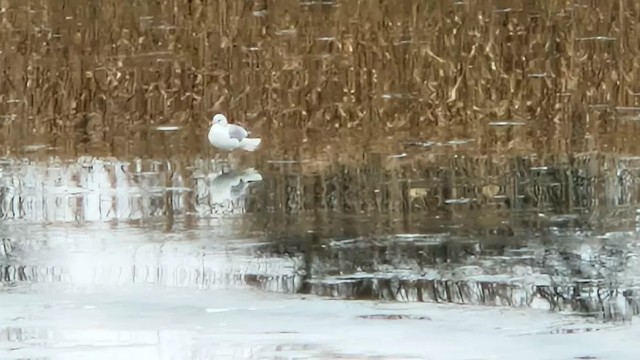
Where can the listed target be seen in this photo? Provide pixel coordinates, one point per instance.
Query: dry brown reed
(358, 73)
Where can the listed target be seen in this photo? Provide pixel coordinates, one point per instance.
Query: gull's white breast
(219, 137)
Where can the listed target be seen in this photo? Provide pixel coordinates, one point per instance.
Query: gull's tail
(250, 144)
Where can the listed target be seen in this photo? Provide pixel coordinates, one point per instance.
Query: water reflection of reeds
(476, 231)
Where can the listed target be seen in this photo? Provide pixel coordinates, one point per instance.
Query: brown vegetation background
(299, 73)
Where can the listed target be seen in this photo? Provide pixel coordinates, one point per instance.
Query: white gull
(229, 137)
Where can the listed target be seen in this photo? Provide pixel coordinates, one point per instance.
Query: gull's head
(219, 119)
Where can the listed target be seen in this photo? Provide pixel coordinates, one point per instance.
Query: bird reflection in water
(225, 192)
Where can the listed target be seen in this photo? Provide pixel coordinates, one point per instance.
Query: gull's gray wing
(237, 132)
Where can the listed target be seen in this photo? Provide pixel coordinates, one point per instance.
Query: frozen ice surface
(148, 322)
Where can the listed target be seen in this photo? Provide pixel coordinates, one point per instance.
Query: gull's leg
(225, 167)
(229, 161)
(225, 162)
(220, 159)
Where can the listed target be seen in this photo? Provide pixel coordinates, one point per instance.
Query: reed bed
(518, 77)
